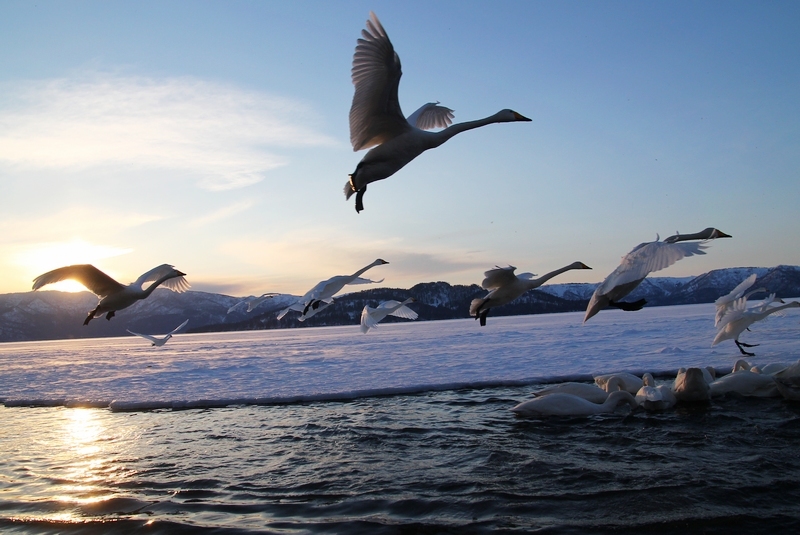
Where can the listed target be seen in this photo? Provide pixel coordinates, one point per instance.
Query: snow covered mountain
(46, 315)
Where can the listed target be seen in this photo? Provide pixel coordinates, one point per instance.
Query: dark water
(444, 462)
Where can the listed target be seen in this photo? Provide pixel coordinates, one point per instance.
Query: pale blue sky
(214, 136)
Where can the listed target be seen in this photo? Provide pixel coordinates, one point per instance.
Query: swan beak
(181, 273)
(719, 234)
(520, 117)
(584, 266)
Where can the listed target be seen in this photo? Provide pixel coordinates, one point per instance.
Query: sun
(44, 257)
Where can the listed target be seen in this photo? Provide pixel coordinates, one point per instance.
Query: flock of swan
(690, 385)
(377, 123)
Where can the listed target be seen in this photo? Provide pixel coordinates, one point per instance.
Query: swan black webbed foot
(628, 307)
(742, 345)
(90, 317)
(482, 317)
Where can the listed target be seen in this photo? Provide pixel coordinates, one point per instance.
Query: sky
(214, 136)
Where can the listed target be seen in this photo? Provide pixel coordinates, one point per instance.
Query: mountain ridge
(49, 315)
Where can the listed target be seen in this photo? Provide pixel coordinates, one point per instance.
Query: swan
(321, 296)
(113, 295)
(252, 302)
(371, 316)
(505, 286)
(644, 259)
(630, 383)
(589, 392)
(739, 318)
(690, 385)
(724, 303)
(161, 341)
(745, 383)
(561, 404)
(377, 121)
(654, 398)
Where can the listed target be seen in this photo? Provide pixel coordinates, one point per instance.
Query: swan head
(741, 365)
(380, 262)
(647, 380)
(510, 116)
(579, 265)
(714, 233)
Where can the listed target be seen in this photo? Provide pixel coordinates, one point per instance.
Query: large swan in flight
(370, 317)
(740, 318)
(156, 341)
(644, 259)
(505, 286)
(725, 303)
(113, 295)
(376, 118)
(321, 296)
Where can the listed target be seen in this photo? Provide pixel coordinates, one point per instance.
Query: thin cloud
(217, 133)
(222, 213)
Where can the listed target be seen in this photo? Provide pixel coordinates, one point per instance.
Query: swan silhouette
(370, 317)
(561, 404)
(321, 296)
(505, 286)
(376, 117)
(644, 259)
(113, 295)
(156, 341)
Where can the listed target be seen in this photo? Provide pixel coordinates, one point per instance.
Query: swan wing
(369, 319)
(375, 114)
(404, 312)
(431, 116)
(737, 292)
(177, 282)
(497, 277)
(95, 280)
(647, 258)
(179, 327)
(146, 337)
(362, 280)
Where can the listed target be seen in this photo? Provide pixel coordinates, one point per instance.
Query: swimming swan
(568, 405)
(655, 398)
(161, 341)
(321, 296)
(371, 316)
(644, 259)
(739, 318)
(690, 385)
(505, 286)
(630, 383)
(376, 117)
(113, 295)
(589, 392)
(745, 383)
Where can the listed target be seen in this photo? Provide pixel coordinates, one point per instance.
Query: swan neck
(155, 285)
(363, 270)
(535, 283)
(452, 130)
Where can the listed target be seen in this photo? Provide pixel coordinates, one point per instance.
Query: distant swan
(376, 118)
(569, 405)
(654, 398)
(370, 317)
(739, 318)
(160, 341)
(252, 302)
(321, 296)
(690, 385)
(113, 295)
(589, 392)
(505, 287)
(644, 259)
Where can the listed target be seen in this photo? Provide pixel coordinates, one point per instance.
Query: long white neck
(440, 137)
(155, 285)
(364, 269)
(535, 283)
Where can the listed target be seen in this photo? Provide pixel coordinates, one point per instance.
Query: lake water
(403, 430)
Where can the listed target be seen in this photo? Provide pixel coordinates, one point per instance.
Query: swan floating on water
(113, 295)
(589, 392)
(644, 259)
(655, 398)
(156, 341)
(630, 383)
(321, 296)
(370, 317)
(560, 404)
(745, 383)
(376, 117)
(505, 287)
(690, 385)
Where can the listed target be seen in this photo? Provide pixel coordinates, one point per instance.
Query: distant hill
(46, 315)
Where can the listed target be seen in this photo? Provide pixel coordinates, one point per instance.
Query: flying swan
(377, 121)
(723, 304)
(644, 259)
(505, 286)
(370, 317)
(740, 318)
(113, 295)
(321, 296)
(160, 341)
